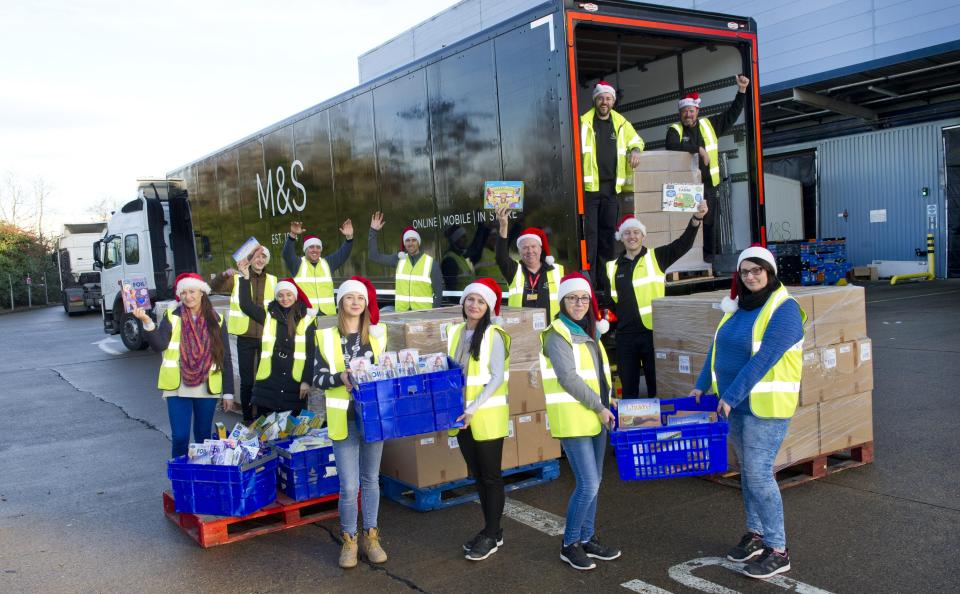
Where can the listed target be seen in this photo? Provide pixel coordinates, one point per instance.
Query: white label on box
(525, 419)
(546, 421)
(715, 306)
(539, 321)
(511, 321)
(829, 358)
(865, 354)
(845, 348)
(414, 328)
(427, 441)
(684, 365)
(661, 355)
(810, 356)
(330, 471)
(510, 428)
(878, 216)
(452, 443)
(443, 330)
(332, 458)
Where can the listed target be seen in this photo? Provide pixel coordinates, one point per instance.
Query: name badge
(533, 296)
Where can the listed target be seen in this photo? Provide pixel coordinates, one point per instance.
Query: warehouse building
(860, 117)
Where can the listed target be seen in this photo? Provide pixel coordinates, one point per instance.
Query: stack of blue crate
(821, 262)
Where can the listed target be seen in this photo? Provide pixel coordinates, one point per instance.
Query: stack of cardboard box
(657, 168)
(835, 409)
(435, 458)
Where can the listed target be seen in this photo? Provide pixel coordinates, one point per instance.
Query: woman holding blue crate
(195, 347)
(577, 387)
(358, 334)
(754, 366)
(483, 349)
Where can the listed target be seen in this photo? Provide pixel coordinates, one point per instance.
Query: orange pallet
(810, 469)
(284, 513)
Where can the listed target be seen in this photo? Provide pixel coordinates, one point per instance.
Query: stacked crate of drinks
(811, 262)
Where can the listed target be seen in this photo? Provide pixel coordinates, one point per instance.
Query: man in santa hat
(312, 273)
(697, 135)
(418, 284)
(610, 149)
(534, 280)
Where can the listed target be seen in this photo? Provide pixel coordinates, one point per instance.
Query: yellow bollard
(930, 274)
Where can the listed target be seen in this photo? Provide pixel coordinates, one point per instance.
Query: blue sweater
(737, 370)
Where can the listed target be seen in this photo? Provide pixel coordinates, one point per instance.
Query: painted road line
(914, 296)
(104, 345)
(683, 574)
(643, 587)
(538, 519)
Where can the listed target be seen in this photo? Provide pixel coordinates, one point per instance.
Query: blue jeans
(757, 442)
(585, 456)
(180, 411)
(358, 466)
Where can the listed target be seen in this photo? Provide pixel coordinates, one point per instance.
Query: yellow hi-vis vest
(317, 282)
(627, 140)
(269, 338)
(515, 293)
(710, 144)
(776, 395)
(169, 378)
(338, 399)
(567, 417)
(648, 285)
(491, 419)
(414, 289)
(238, 323)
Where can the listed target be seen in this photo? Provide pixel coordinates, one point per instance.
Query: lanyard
(534, 281)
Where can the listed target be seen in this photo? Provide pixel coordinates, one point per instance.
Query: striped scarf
(195, 352)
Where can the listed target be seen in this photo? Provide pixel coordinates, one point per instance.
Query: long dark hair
(478, 333)
(297, 312)
(591, 322)
(212, 319)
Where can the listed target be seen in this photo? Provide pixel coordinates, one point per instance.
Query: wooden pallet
(689, 276)
(810, 469)
(282, 514)
(461, 491)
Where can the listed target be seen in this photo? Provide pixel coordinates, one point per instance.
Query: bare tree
(41, 191)
(101, 210)
(14, 206)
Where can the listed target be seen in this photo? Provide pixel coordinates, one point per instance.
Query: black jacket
(159, 339)
(691, 141)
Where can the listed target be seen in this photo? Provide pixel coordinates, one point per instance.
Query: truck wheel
(66, 305)
(131, 333)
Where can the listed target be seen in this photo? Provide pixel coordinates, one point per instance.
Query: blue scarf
(574, 326)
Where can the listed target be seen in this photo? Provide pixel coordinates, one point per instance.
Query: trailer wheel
(131, 333)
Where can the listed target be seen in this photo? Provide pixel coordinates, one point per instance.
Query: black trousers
(709, 222)
(635, 352)
(248, 351)
(601, 210)
(483, 461)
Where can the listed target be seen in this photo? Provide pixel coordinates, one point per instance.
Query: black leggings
(483, 461)
(635, 352)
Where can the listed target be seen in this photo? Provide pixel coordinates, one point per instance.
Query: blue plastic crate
(409, 425)
(668, 452)
(308, 474)
(223, 490)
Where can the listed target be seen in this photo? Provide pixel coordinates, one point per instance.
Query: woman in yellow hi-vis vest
(357, 335)
(754, 366)
(483, 349)
(286, 345)
(195, 345)
(577, 388)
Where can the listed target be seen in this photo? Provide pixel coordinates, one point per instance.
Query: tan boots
(348, 553)
(371, 549)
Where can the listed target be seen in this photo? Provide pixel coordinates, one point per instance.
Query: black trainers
(749, 547)
(594, 549)
(768, 565)
(576, 557)
(482, 548)
(469, 544)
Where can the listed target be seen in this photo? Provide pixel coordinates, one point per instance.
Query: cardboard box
(838, 314)
(687, 322)
(655, 240)
(534, 442)
(803, 437)
(423, 460)
(846, 422)
(667, 161)
(866, 272)
(653, 181)
(833, 372)
(645, 202)
(656, 222)
(525, 388)
(805, 301)
(510, 453)
(677, 371)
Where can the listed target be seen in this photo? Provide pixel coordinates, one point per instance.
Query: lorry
(419, 142)
(79, 279)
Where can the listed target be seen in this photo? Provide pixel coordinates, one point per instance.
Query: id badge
(532, 296)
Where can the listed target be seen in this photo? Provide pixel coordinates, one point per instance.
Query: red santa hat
(408, 232)
(288, 284)
(309, 240)
(604, 87)
(489, 290)
(363, 286)
(732, 303)
(540, 237)
(575, 281)
(689, 100)
(629, 222)
(190, 280)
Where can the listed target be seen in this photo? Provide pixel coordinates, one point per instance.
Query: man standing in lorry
(311, 272)
(417, 278)
(694, 134)
(608, 144)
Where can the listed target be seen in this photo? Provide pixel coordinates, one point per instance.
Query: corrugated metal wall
(882, 171)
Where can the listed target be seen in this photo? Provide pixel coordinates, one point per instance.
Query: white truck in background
(79, 277)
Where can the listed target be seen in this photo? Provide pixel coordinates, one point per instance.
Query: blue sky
(94, 94)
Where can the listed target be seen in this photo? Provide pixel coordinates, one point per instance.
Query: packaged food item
(690, 419)
(638, 412)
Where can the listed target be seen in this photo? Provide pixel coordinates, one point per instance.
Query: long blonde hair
(364, 325)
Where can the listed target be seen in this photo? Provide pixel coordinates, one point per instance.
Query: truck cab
(79, 278)
(150, 237)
